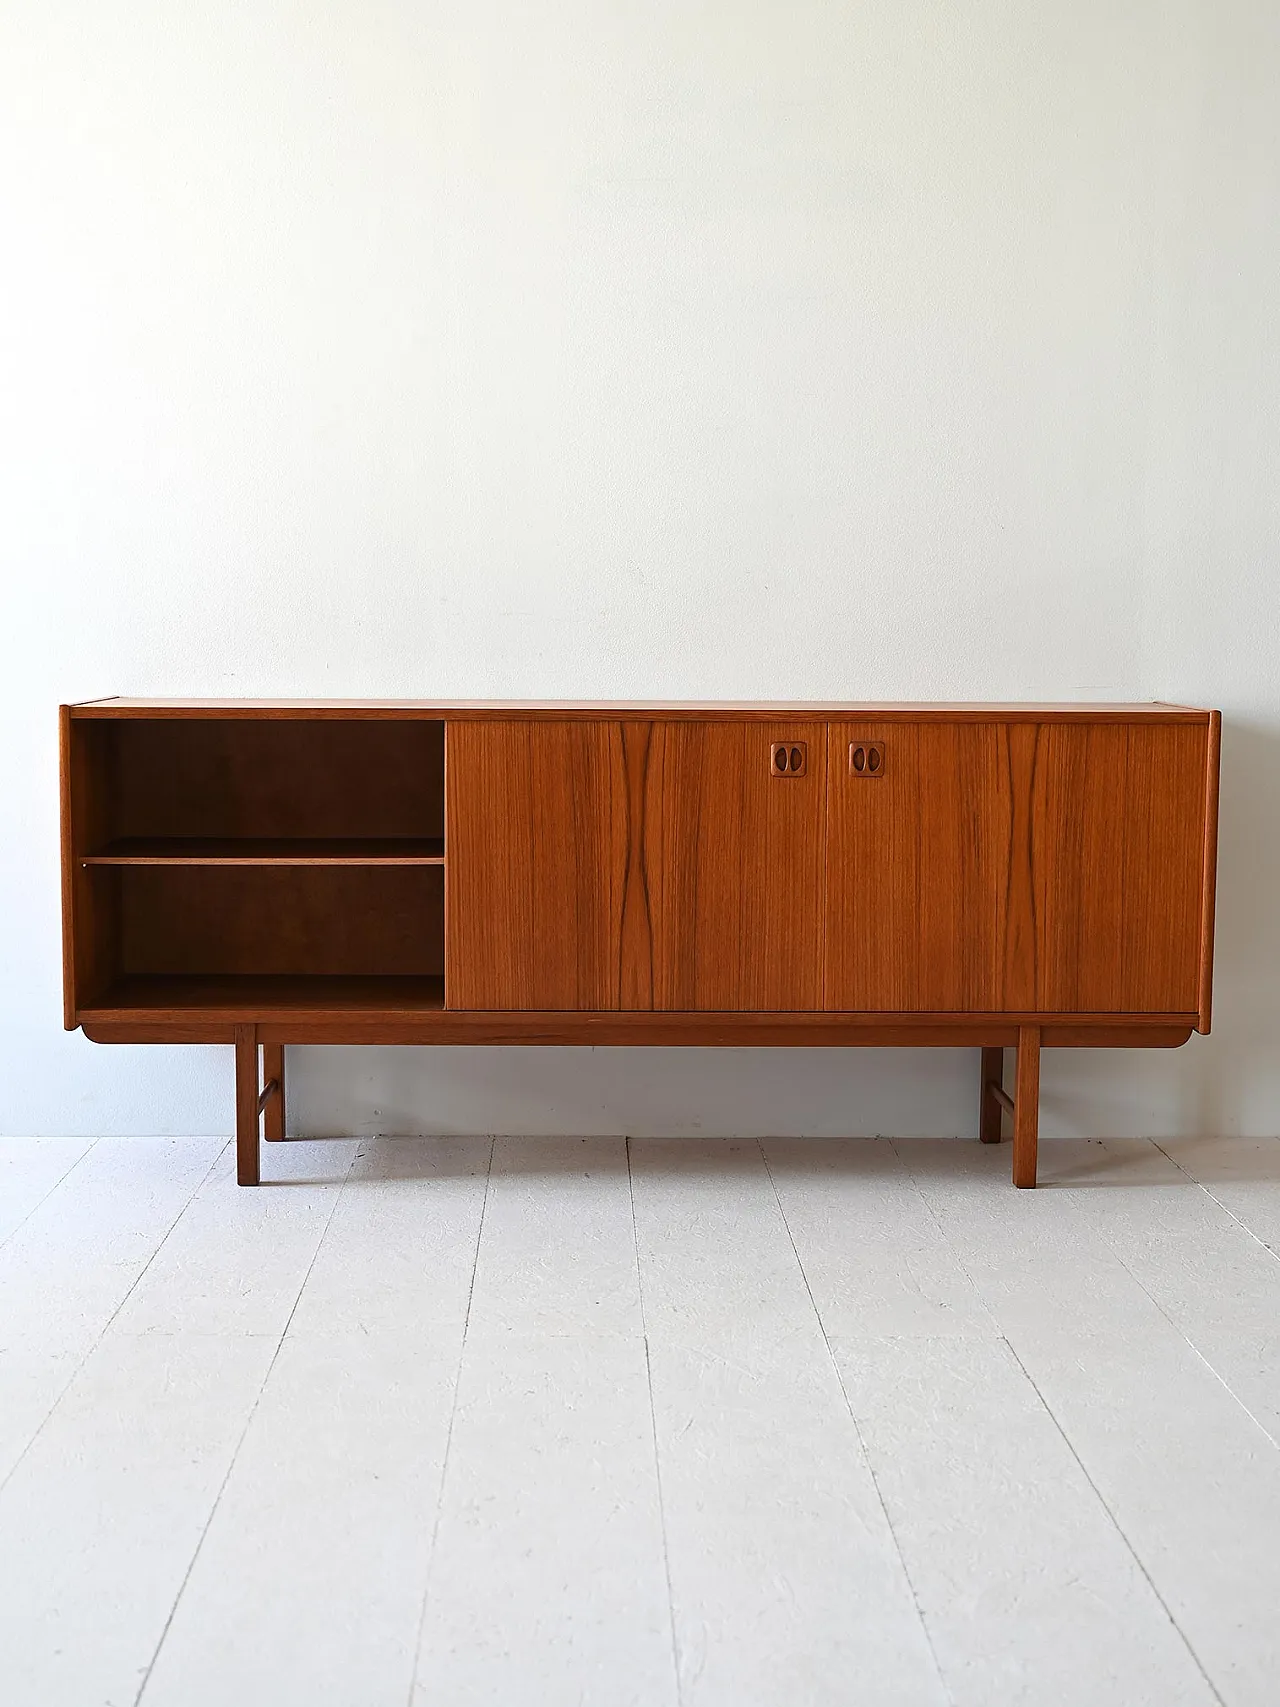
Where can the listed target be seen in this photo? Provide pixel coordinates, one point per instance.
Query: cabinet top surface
(481, 709)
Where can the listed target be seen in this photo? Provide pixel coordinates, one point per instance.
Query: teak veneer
(259, 873)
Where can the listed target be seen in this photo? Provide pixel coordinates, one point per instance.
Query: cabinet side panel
(1208, 897)
(90, 896)
(536, 857)
(1118, 835)
(735, 867)
(69, 1003)
(918, 868)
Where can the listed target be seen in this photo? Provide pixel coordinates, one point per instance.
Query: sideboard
(267, 872)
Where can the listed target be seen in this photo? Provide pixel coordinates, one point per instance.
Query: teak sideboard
(265, 872)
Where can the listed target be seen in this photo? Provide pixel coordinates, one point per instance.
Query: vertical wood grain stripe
(635, 960)
(1019, 978)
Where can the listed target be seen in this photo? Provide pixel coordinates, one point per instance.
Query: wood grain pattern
(734, 859)
(1016, 918)
(635, 934)
(918, 869)
(633, 866)
(537, 856)
(1118, 847)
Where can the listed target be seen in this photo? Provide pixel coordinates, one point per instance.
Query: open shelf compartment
(253, 865)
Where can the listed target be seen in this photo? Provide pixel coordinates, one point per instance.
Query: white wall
(629, 348)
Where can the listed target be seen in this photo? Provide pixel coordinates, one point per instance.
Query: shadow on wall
(678, 1092)
(1238, 1073)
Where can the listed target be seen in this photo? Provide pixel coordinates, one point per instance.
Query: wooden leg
(989, 1108)
(247, 1105)
(1026, 1106)
(273, 1072)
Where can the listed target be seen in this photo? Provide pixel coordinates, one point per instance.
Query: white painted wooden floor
(701, 1423)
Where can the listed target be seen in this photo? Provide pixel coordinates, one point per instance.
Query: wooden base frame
(261, 1095)
(1023, 1107)
(260, 1100)
(254, 1101)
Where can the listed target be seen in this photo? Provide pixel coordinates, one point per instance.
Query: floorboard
(71, 1264)
(1189, 1477)
(547, 1581)
(679, 1424)
(786, 1581)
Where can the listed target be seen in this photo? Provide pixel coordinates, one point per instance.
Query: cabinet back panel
(242, 777)
(306, 920)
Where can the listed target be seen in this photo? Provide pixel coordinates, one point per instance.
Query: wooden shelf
(255, 850)
(264, 995)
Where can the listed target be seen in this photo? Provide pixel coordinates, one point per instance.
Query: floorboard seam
(102, 1331)
(243, 1435)
(448, 1438)
(66, 1174)
(1182, 1333)
(862, 1444)
(653, 1426)
(1053, 1418)
(1214, 1198)
(1131, 1549)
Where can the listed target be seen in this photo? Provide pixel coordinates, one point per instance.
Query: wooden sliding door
(734, 844)
(1118, 828)
(535, 862)
(919, 821)
(1048, 867)
(635, 865)
(886, 866)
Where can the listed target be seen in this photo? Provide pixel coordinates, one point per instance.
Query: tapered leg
(247, 1104)
(1026, 1109)
(273, 1069)
(989, 1108)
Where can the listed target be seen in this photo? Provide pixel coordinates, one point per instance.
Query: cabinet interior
(261, 859)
